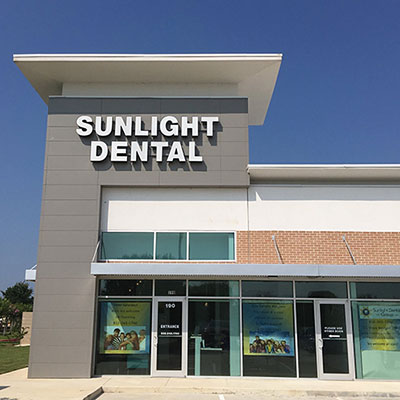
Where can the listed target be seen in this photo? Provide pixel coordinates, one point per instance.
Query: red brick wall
(312, 247)
(318, 247)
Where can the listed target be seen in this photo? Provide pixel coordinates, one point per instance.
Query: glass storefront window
(125, 287)
(268, 338)
(376, 330)
(170, 246)
(127, 245)
(306, 339)
(375, 290)
(267, 289)
(214, 338)
(211, 246)
(320, 289)
(170, 288)
(214, 288)
(123, 338)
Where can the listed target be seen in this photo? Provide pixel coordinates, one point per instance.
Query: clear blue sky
(336, 99)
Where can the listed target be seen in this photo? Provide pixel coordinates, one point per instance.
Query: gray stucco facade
(65, 294)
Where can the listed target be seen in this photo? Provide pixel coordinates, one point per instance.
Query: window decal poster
(125, 327)
(379, 327)
(268, 329)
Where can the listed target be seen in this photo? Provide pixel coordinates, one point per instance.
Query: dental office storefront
(163, 252)
(248, 328)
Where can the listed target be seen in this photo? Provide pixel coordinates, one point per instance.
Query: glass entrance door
(334, 338)
(169, 337)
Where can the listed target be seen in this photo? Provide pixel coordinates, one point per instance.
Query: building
(162, 252)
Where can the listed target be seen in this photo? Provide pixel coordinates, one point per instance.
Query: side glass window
(268, 338)
(170, 288)
(211, 246)
(375, 290)
(214, 288)
(214, 338)
(125, 287)
(123, 338)
(306, 339)
(127, 245)
(267, 289)
(321, 289)
(170, 246)
(376, 328)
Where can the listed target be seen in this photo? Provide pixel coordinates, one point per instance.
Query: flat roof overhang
(299, 173)
(254, 74)
(246, 270)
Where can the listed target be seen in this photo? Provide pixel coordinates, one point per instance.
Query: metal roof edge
(147, 57)
(327, 166)
(246, 270)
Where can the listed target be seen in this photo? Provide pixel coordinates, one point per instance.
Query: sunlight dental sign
(133, 127)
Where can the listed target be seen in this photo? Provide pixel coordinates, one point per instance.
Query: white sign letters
(133, 127)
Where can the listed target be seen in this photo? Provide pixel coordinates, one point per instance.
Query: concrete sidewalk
(15, 385)
(246, 386)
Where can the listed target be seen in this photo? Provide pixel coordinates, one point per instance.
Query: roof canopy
(252, 75)
(352, 173)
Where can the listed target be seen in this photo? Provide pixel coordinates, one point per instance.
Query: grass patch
(13, 358)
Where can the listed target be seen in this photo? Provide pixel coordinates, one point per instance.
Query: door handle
(155, 341)
(320, 343)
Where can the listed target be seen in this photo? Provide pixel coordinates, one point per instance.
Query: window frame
(186, 260)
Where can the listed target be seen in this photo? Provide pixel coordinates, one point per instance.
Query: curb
(94, 395)
(246, 391)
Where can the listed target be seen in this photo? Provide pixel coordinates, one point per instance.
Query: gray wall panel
(65, 133)
(62, 270)
(67, 353)
(231, 149)
(68, 238)
(69, 223)
(234, 163)
(71, 192)
(67, 163)
(68, 337)
(64, 320)
(180, 178)
(127, 178)
(57, 370)
(238, 180)
(65, 253)
(57, 177)
(68, 148)
(61, 120)
(234, 120)
(67, 286)
(65, 292)
(70, 207)
(230, 134)
(63, 302)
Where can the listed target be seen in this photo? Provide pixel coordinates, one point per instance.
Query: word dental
(132, 126)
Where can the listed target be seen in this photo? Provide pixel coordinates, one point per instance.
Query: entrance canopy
(243, 75)
(246, 270)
